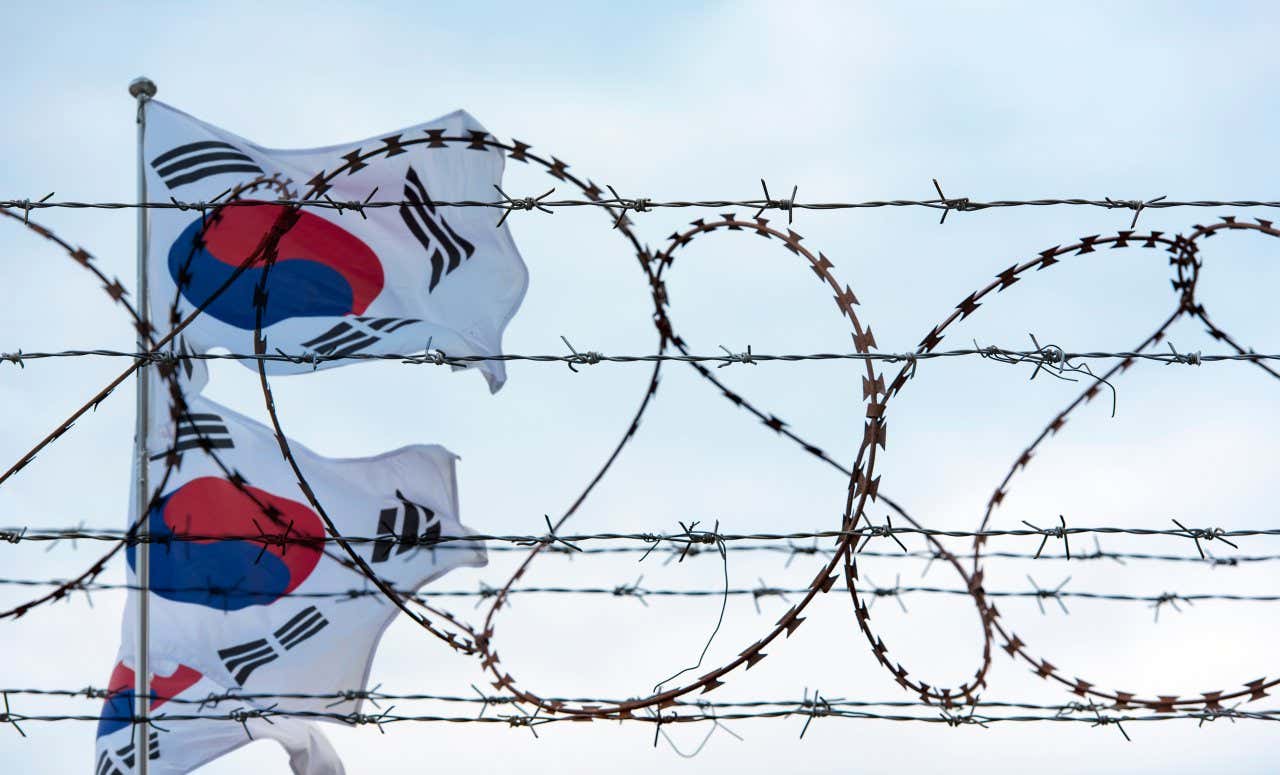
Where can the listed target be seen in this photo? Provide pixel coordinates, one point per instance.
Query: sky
(847, 101)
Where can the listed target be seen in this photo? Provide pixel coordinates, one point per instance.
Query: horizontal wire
(689, 538)
(635, 590)
(643, 204)
(479, 698)
(376, 695)
(791, 551)
(811, 710)
(808, 707)
(1050, 357)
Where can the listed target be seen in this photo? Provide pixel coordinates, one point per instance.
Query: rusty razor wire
(844, 543)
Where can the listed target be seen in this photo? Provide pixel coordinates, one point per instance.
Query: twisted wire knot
(360, 719)
(730, 357)
(1208, 534)
(243, 715)
(1136, 205)
(630, 590)
(1053, 354)
(311, 358)
(26, 205)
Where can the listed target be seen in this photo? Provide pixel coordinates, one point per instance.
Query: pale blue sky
(676, 100)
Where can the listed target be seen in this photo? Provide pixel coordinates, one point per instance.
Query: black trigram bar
(242, 660)
(196, 161)
(432, 230)
(108, 767)
(200, 431)
(355, 334)
(301, 627)
(412, 517)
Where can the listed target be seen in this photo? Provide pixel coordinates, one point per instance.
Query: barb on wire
(1052, 532)
(793, 551)
(632, 590)
(1102, 721)
(765, 590)
(1211, 715)
(640, 205)
(1054, 594)
(882, 531)
(510, 205)
(589, 358)
(8, 717)
(730, 357)
(818, 707)
(242, 716)
(1170, 599)
(550, 539)
(709, 711)
(894, 592)
(962, 204)
(1191, 359)
(960, 719)
(358, 206)
(359, 719)
(1208, 534)
(1137, 205)
(786, 205)
(26, 206)
(360, 695)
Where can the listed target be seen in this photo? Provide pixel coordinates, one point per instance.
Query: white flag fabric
(181, 746)
(261, 617)
(385, 280)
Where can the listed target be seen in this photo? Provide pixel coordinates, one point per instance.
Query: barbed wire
(863, 484)
(160, 719)
(15, 535)
(479, 697)
(792, 550)
(623, 205)
(809, 707)
(638, 591)
(1049, 356)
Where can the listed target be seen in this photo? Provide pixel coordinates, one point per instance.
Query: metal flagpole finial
(142, 88)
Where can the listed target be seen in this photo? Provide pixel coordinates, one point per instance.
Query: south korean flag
(245, 593)
(245, 588)
(206, 730)
(383, 280)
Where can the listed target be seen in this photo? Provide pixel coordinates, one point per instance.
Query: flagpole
(142, 90)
